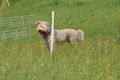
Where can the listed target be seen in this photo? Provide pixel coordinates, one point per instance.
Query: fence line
(17, 22)
(15, 34)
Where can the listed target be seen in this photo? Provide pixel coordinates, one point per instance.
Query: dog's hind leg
(73, 41)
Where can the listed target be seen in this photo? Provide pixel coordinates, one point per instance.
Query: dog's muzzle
(40, 31)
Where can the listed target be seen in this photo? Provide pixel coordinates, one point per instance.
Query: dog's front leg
(47, 46)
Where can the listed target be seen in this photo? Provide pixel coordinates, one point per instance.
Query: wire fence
(17, 22)
(16, 28)
(15, 34)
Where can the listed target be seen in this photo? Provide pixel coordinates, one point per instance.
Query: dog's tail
(81, 34)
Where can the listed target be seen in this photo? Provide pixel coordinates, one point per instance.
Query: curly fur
(69, 35)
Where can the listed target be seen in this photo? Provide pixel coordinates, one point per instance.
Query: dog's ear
(47, 23)
(38, 22)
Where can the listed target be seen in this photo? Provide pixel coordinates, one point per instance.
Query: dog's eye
(42, 27)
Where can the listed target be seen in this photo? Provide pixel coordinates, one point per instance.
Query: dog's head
(43, 28)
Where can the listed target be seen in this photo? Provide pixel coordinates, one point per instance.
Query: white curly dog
(69, 35)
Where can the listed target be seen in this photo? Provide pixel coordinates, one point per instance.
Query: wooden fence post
(4, 35)
(10, 22)
(23, 21)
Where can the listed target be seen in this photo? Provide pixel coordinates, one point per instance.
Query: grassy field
(91, 60)
(93, 17)
(96, 58)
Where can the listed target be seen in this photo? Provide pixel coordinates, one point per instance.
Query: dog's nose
(39, 31)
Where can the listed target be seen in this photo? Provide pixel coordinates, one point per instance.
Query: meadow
(96, 58)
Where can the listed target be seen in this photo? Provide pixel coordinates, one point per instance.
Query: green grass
(96, 58)
(92, 16)
(91, 60)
